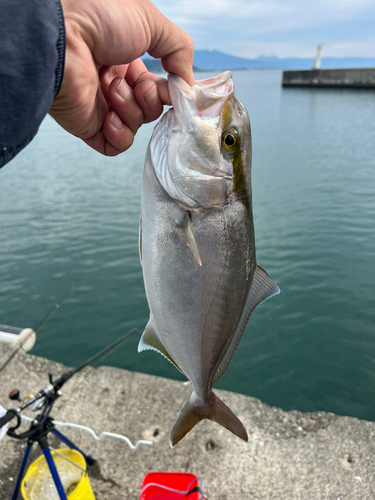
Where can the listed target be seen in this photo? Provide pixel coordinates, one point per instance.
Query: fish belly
(195, 309)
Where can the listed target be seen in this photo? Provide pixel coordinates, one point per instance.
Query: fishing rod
(53, 388)
(43, 423)
(65, 377)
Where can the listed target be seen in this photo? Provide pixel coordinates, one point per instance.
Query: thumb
(173, 46)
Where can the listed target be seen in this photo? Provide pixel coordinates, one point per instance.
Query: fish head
(201, 149)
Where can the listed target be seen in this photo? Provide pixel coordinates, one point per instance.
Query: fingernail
(124, 90)
(116, 122)
(151, 96)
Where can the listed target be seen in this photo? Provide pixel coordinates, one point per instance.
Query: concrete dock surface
(289, 456)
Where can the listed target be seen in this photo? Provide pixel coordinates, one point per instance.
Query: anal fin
(150, 341)
(262, 288)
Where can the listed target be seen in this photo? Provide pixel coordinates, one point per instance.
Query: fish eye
(230, 140)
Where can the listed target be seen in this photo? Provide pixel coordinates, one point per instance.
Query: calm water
(67, 213)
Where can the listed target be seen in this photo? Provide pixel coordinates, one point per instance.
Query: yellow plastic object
(38, 483)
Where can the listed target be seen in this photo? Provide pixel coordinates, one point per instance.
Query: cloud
(276, 27)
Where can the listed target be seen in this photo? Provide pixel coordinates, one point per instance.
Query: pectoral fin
(150, 341)
(262, 288)
(185, 232)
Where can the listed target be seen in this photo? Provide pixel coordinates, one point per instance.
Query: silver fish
(197, 242)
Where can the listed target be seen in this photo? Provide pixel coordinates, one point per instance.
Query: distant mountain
(215, 60)
(155, 66)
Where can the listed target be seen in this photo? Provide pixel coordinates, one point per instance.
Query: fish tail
(196, 410)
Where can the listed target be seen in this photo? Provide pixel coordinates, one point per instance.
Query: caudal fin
(214, 409)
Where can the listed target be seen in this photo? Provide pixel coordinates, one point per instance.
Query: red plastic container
(181, 481)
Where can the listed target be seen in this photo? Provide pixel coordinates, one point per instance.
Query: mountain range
(215, 60)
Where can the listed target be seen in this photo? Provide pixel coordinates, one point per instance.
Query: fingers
(137, 73)
(108, 73)
(125, 118)
(128, 111)
(127, 108)
(131, 108)
(121, 100)
(148, 98)
(119, 137)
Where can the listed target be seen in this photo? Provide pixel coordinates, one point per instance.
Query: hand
(107, 92)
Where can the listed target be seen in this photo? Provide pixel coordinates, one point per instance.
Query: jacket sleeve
(32, 53)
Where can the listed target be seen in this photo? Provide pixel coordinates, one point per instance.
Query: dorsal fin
(262, 288)
(150, 341)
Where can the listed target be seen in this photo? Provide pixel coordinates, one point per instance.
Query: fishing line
(7, 361)
(104, 354)
(44, 320)
(111, 346)
(53, 310)
(66, 376)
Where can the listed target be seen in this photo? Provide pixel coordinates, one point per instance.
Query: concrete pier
(356, 78)
(289, 456)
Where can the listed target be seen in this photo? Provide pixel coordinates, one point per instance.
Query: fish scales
(197, 241)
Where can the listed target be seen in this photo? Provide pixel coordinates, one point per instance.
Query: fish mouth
(204, 93)
(218, 85)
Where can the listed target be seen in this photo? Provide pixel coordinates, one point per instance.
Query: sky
(282, 28)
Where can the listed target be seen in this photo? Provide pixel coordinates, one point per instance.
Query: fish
(197, 246)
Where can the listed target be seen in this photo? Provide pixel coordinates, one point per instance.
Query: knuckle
(154, 115)
(110, 150)
(189, 44)
(127, 141)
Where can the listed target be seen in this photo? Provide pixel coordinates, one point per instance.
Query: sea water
(69, 216)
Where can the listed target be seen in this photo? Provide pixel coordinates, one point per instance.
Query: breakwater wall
(355, 78)
(289, 456)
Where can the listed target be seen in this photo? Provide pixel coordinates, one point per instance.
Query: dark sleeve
(32, 53)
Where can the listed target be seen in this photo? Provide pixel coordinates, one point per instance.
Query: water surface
(69, 216)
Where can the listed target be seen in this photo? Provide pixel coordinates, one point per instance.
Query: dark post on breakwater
(354, 78)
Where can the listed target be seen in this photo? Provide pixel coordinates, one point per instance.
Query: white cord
(90, 431)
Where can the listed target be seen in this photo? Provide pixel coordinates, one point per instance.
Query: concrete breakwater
(356, 78)
(289, 456)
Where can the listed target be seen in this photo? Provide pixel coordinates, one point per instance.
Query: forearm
(32, 52)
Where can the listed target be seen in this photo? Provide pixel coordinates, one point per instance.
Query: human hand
(107, 92)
